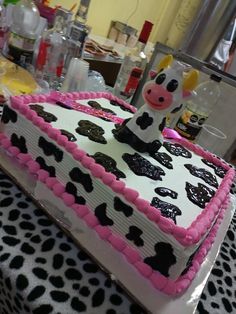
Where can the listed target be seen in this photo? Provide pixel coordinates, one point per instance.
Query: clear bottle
(19, 47)
(78, 31)
(198, 108)
(52, 51)
(133, 66)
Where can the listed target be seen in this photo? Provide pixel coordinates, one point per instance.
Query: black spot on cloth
(69, 135)
(117, 104)
(98, 297)
(211, 288)
(22, 205)
(217, 272)
(40, 273)
(168, 210)
(228, 281)
(45, 222)
(50, 149)
(40, 260)
(91, 130)
(109, 164)
(177, 150)
(136, 309)
(58, 261)
(50, 169)
(19, 142)
(120, 206)
(83, 256)
(163, 158)
(48, 245)
(59, 296)
(13, 214)
(11, 230)
(71, 188)
(27, 249)
(100, 213)
(199, 195)
(162, 124)
(43, 309)
(96, 105)
(9, 115)
(202, 174)
(73, 274)
(163, 259)
(144, 121)
(36, 293)
(166, 192)
(36, 239)
(65, 247)
(90, 268)
(57, 281)
(47, 116)
(11, 241)
(142, 167)
(70, 262)
(5, 184)
(25, 225)
(230, 235)
(17, 262)
(94, 281)
(21, 282)
(115, 299)
(4, 257)
(84, 291)
(6, 202)
(227, 305)
(78, 305)
(8, 283)
(134, 235)
(84, 179)
(219, 171)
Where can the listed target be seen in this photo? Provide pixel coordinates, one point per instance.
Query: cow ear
(191, 80)
(165, 62)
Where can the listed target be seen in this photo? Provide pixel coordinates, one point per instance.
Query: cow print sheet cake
(156, 208)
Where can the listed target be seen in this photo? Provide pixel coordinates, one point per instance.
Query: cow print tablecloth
(42, 271)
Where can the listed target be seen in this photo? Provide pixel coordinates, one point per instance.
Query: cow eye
(160, 78)
(172, 86)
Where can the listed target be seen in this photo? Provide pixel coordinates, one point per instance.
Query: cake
(160, 211)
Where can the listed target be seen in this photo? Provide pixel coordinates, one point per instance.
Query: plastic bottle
(20, 45)
(52, 51)
(133, 66)
(198, 108)
(3, 24)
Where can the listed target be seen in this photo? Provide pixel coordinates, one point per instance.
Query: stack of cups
(76, 76)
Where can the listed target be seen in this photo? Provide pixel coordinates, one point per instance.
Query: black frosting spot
(162, 125)
(69, 135)
(219, 171)
(93, 131)
(94, 104)
(144, 121)
(162, 158)
(9, 115)
(109, 164)
(135, 235)
(202, 174)
(19, 142)
(163, 259)
(122, 207)
(167, 210)
(100, 213)
(50, 169)
(166, 192)
(50, 149)
(115, 103)
(177, 150)
(71, 188)
(84, 179)
(47, 116)
(199, 195)
(142, 167)
(177, 109)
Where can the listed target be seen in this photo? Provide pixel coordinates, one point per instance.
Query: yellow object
(165, 62)
(191, 80)
(16, 79)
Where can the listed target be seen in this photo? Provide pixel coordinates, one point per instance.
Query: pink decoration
(68, 199)
(42, 175)
(144, 269)
(81, 210)
(58, 189)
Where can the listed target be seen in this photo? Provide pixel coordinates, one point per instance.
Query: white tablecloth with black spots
(42, 271)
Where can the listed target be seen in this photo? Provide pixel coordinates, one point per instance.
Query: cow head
(168, 88)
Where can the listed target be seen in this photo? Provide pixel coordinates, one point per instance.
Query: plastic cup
(211, 139)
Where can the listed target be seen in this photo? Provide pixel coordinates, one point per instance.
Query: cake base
(139, 288)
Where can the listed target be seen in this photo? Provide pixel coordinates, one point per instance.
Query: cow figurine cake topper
(162, 95)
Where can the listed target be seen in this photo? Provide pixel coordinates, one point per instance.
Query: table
(42, 271)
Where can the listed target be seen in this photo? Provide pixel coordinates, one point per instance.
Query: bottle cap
(145, 32)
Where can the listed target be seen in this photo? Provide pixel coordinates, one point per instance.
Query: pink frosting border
(185, 236)
(132, 255)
